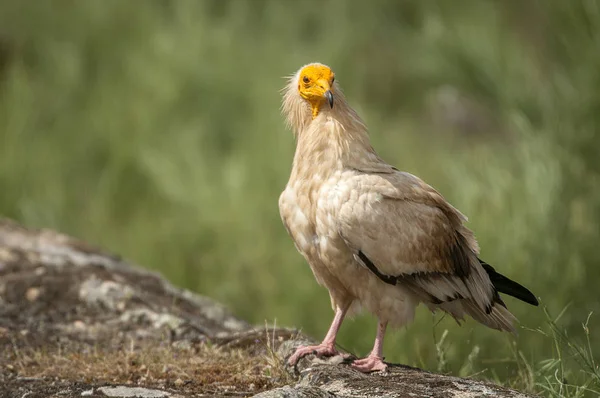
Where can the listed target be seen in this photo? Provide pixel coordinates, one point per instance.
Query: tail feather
(507, 286)
(498, 317)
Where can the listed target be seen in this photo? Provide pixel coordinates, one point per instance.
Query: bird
(379, 239)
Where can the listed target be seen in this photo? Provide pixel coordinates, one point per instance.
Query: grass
(570, 370)
(202, 368)
(154, 130)
(556, 374)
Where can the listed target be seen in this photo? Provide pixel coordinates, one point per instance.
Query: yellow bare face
(315, 85)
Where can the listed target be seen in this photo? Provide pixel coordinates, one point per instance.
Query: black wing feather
(507, 286)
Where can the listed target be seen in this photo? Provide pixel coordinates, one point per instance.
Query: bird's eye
(305, 79)
(332, 79)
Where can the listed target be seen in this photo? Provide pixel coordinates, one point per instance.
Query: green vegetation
(153, 129)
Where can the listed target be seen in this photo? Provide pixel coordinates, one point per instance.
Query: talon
(369, 364)
(321, 350)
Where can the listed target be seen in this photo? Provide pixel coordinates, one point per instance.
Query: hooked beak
(329, 97)
(324, 85)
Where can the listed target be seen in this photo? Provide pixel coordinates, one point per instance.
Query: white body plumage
(375, 237)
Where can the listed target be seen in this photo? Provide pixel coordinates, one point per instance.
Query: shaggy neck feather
(336, 138)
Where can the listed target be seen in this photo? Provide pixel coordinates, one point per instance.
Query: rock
(87, 286)
(77, 321)
(133, 392)
(296, 392)
(333, 376)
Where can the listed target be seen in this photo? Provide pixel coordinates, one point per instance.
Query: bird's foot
(321, 350)
(372, 363)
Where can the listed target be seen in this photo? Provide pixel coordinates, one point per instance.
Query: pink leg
(327, 347)
(375, 359)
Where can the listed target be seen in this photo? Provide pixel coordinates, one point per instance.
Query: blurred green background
(153, 128)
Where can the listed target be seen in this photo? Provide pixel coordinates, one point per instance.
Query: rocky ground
(76, 321)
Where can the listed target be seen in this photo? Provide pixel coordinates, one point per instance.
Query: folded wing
(404, 232)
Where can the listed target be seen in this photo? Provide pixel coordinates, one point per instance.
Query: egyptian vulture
(377, 238)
